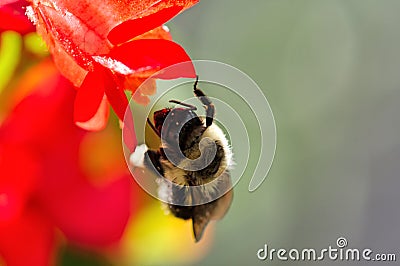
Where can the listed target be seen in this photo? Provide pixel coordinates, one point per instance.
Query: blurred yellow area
(35, 44)
(12, 66)
(10, 53)
(154, 238)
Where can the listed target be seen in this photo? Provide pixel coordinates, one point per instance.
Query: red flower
(43, 185)
(12, 16)
(106, 47)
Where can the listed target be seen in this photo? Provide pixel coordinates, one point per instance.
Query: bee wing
(202, 214)
(222, 206)
(201, 217)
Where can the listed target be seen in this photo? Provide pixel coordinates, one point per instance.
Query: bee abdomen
(183, 212)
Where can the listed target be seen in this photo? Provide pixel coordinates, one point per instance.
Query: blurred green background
(330, 70)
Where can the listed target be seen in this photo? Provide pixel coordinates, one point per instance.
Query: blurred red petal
(11, 204)
(132, 28)
(12, 17)
(19, 173)
(148, 56)
(141, 98)
(90, 215)
(87, 214)
(28, 241)
(7, 2)
(35, 121)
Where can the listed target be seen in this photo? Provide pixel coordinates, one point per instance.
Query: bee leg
(153, 128)
(210, 109)
(152, 161)
(145, 158)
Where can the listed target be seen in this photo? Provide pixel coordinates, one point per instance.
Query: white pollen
(113, 64)
(137, 157)
(31, 15)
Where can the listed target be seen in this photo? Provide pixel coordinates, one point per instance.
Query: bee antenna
(195, 83)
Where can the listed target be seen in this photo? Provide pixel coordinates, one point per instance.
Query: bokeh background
(330, 71)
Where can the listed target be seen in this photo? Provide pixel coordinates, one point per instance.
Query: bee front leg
(145, 158)
(152, 161)
(210, 108)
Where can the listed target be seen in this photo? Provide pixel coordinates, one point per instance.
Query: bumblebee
(193, 162)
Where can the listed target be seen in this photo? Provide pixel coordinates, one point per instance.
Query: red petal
(161, 32)
(99, 120)
(149, 15)
(35, 120)
(45, 115)
(89, 215)
(68, 67)
(75, 30)
(19, 174)
(115, 95)
(151, 55)
(67, 32)
(128, 131)
(28, 240)
(12, 17)
(132, 28)
(43, 122)
(89, 96)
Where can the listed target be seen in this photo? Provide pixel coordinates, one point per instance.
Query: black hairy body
(193, 163)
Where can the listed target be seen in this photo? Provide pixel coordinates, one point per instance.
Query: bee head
(159, 117)
(170, 122)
